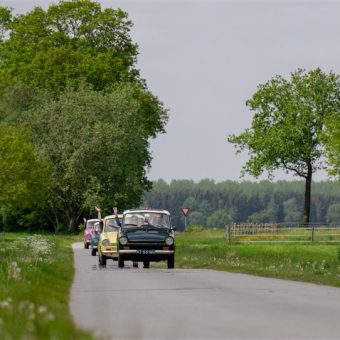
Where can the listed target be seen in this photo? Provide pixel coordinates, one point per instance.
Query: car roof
(93, 220)
(159, 211)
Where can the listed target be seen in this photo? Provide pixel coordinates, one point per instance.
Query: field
(317, 262)
(36, 273)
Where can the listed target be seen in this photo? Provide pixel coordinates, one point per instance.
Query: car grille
(146, 245)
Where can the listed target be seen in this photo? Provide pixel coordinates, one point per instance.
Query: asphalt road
(137, 303)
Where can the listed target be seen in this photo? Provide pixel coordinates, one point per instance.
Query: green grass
(309, 262)
(36, 274)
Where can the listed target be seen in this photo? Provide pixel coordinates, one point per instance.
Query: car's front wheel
(171, 261)
(102, 259)
(146, 264)
(86, 245)
(93, 252)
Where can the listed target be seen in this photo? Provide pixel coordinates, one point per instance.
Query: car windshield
(90, 224)
(110, 225)
(146, 219)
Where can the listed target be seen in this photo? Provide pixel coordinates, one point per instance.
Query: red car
(89, 228)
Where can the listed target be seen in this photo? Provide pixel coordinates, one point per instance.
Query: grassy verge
(308, 262)
(36, 273)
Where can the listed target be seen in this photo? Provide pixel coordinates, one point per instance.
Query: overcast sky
(204, 58)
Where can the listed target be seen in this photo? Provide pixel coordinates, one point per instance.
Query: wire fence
(282, 232)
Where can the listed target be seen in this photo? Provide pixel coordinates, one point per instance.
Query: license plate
(145, 251)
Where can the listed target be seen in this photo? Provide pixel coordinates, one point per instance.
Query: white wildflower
(50, 317)
(6, 304)
(42, 309)
(14, 271)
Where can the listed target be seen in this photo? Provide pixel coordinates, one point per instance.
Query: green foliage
(98, 145)
(68, 75)
(286, 130)
(196, 217)
(291, 211)
(24, 174)
(268, 215)
(70, 42)
(218, 219)
(332, 143)
(5, 19)
(333, 213)
(262, 201)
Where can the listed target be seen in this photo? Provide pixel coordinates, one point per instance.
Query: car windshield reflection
(111, 225)
(90, 224)
(147, 219)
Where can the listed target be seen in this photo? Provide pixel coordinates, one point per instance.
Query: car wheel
(86, 246)
(93, 252)
(120, 262)
(102, 259)
(171, 261)
(146, 264)
(135, 264)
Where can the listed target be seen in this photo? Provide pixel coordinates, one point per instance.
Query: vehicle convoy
(107, 244)
(88, 230)
(146, 236)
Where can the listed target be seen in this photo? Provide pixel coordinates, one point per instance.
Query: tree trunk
(73, 217)
(72, 220)
(308, 192)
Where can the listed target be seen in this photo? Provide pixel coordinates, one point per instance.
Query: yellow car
(107, 245)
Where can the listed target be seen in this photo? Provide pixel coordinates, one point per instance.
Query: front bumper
(140, 255)
(108, 252)
(140, 252)
(112, 253)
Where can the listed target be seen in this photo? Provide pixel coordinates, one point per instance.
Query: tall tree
(287, 125)
(70, 42)
(98, 144)
(69, 74)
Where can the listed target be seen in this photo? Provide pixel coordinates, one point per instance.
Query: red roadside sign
(185, 211)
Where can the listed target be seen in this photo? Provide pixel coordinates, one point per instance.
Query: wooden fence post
(313, 233)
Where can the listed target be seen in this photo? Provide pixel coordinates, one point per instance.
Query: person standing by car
(99, 217)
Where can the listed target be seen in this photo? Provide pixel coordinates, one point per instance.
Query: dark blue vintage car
(146, 236)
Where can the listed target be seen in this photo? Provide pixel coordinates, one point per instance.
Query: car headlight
(123, 240)
(106, 242)
(169, 240)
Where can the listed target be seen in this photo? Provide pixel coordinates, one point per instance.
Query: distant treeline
(216, 204)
